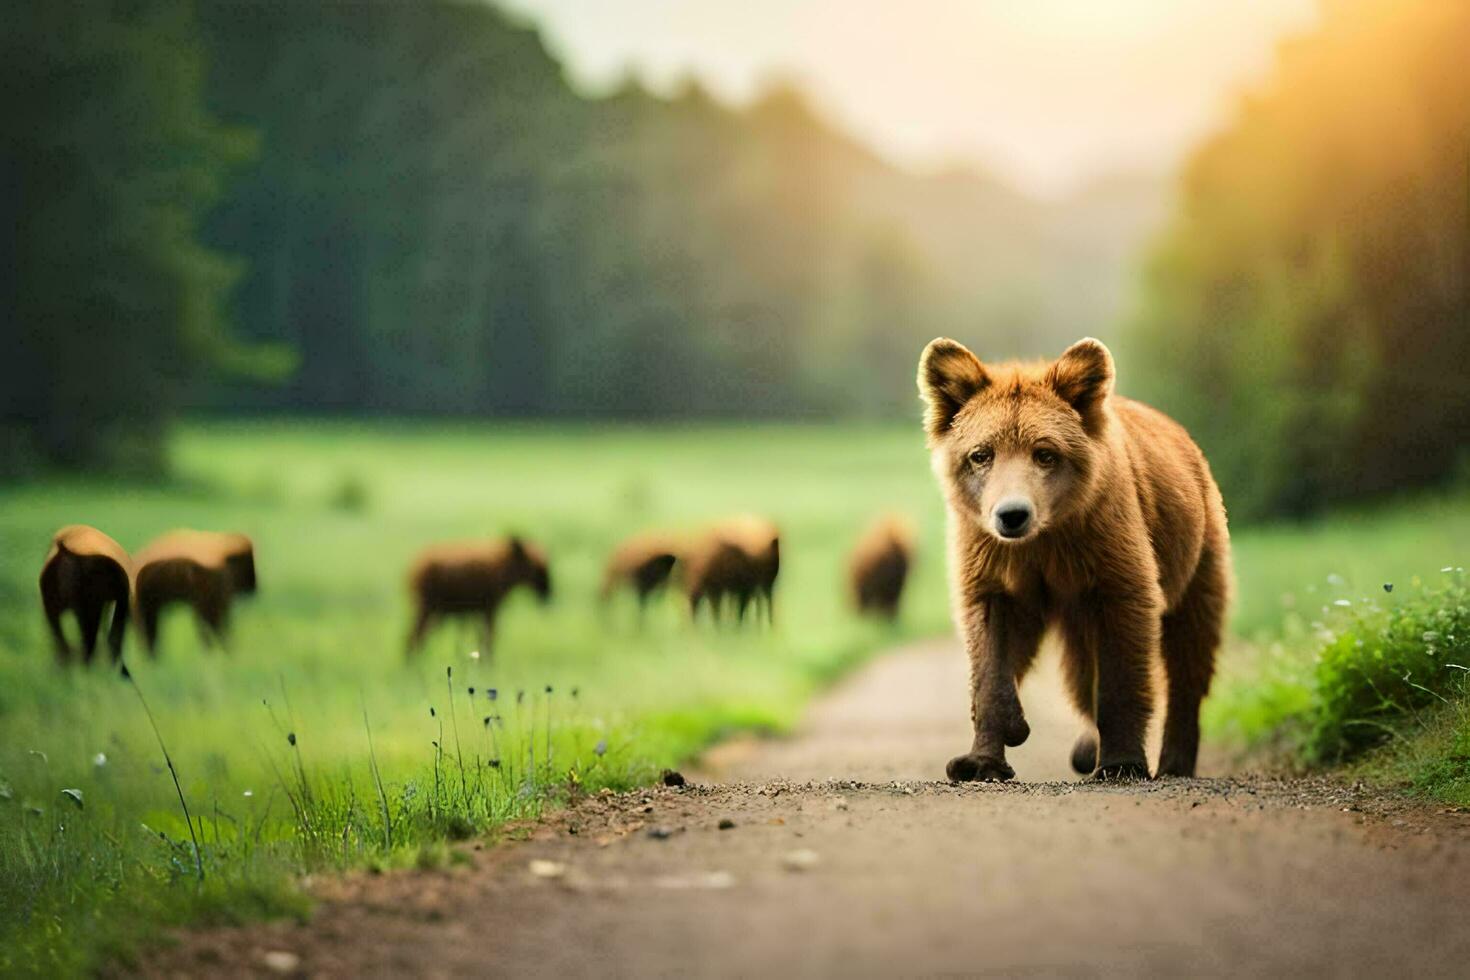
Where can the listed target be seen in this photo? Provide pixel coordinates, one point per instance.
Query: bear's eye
(1045, 457)
(981, 456)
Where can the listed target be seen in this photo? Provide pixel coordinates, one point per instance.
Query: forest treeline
(374, 207)
(1307, 314)
(405, 208)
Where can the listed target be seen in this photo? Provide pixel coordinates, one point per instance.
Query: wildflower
(548, 688)
(291, 737)
(1387, 586)
(472, 691)
(248, 793)
(600, 748)
(448, 671)
(75, 795)
(491, 693)
(474, 654)
(431, 712)
(487, 721)
(100, 759)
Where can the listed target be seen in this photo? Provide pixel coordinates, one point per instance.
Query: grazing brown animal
(880, 566)
(1072, 506)
(473, 578)
(84, 572)
(642, 563)
(204, 570)
(737, 561)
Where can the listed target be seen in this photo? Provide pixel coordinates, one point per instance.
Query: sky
(1047, 94)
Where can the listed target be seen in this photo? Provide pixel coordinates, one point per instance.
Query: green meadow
(312, 744)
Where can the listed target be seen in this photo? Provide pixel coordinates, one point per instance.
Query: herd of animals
(730, 569)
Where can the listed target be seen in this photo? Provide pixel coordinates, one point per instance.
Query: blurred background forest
(393, 209)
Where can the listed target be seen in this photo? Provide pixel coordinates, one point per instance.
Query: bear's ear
(949, 376)
(517, 546)
(1083, 376)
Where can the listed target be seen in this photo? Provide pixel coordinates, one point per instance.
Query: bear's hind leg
(1079, 673)
(1191, 637)
(1121, 633)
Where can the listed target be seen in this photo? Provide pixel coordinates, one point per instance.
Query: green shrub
(1384, 667)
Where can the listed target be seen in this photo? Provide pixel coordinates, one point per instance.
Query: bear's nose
(1012, 518)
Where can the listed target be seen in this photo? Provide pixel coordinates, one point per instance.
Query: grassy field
(337, 513)
(583, 696)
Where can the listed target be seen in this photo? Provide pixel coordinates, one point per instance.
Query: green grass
(1383, 686)
(1331, 666)
(337, 512)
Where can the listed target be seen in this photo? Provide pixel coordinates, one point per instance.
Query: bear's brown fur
(1071, 506)
(473, 578)
(738, 561)
(84, 571)
(204, 570)
(642, 563)
(880, 565)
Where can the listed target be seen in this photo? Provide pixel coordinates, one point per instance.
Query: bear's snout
(1013, 517)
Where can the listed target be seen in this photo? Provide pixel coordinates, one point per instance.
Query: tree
(113, 305)
(1308, 313)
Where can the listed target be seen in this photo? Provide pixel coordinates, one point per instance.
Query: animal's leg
(1001, 637)
(1191, 637)
(421, 624)
(214, 611)
(1123, 634)
(89, 615)
(54, 609)
(1079, 673)
(118, 629)
(148, 611)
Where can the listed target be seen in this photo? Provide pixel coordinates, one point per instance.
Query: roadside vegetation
(1365, 664)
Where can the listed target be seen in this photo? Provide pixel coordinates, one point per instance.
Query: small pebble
(660, 833)
(801, 860)
(673, 777)
(727, 824)
(280, 961)
(547, 869)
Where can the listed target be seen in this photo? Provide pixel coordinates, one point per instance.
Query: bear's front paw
(978, 768)
(1121, 772)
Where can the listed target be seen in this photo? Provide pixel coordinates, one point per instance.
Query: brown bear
(84, 572)
(204, 570)
(738, 561)
(473, 578)
(642, 563)
(1074, 507)
(880, 565)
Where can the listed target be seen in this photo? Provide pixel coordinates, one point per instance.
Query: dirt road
(843, 854)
